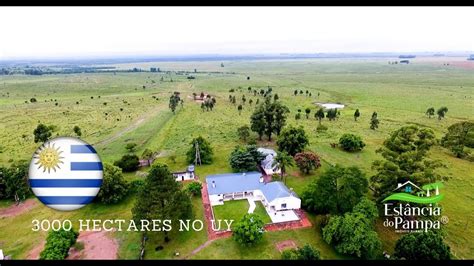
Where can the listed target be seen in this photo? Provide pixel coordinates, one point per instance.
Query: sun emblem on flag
(49, 157)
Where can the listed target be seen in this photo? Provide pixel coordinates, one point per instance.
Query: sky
(54, 32)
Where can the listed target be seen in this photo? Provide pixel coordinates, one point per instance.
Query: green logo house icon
(409, 192)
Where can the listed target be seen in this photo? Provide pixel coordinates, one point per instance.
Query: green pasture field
(400, 94)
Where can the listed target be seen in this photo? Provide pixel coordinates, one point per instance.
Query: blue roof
(233, 182)
(274, 190)
(240, 182)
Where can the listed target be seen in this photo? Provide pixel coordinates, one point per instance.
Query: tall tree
(442, 112)
(239, 108)
(77, 131)
(331, 114)
(283, 160)
(459, 136)
(430, 112)
(269, 117)
(203, 148)
(307, 111)
(319, 115)
(292, 140)
(162, 198)
(374, 121)
(173, 102)
(356, 114)
(42, 133)
(404, 159)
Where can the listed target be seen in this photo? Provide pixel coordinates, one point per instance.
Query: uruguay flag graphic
(65, 173)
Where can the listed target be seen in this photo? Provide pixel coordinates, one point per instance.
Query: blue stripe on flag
(82, 149)
(52, 200)
(86, 166)
(65, 182)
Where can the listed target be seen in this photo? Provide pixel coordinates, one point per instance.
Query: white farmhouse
(185, 175)
(278, 200)
(268, 164)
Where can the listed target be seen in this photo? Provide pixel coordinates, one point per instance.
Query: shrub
(128, 163)
(351, 142)
(321, 128)
(58, 244)
(194, 188)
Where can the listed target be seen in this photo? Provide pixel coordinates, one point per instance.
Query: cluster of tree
(243, 159)
(441, 112)
(353, 233)
(268, 118)
(301, 92)
(459, 136)
(307, 161)
(58, 244)
(14, 182)
(351, 142)
(337, 191)
(422, 246)
(208, 103)
(161, 198)
(202, 148)
(307, 252)
(404, 158)
(114, 187)
(249, 230)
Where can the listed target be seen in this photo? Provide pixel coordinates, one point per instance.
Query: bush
(58, 244)
(194, 188)
(422, 246)
(307, 252)
(351, 142)
(128, 163)
(321, 128)
(114, 187)
(307, 161)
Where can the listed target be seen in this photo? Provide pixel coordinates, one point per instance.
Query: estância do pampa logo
(65, 173)
(424, 213)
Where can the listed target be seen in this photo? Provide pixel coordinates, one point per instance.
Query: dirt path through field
(133, 126)
(97, 245)
(18, 209)
(34, 254)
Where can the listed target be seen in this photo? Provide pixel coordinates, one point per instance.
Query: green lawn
(231, 210)
(236, 209)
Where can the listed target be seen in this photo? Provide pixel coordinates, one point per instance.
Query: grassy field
(400, 94)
